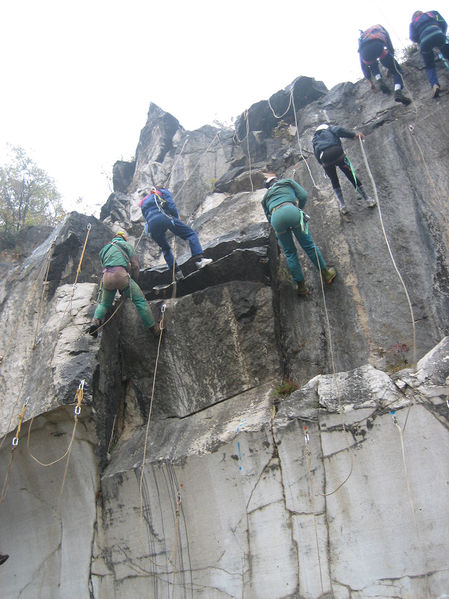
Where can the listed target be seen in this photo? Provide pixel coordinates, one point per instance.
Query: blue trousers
(436, 40)
(286, 223)
(157, 228)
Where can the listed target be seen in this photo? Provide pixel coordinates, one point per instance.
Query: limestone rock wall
(186, 474)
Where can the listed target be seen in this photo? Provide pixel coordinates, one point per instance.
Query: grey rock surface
(269, 446)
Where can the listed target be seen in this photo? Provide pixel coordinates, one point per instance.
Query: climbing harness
(354, 176)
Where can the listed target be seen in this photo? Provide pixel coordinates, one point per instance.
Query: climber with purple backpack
(375, 46)
(428, 29)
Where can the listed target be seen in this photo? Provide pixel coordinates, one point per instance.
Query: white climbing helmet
(269, 178)
(322, 126)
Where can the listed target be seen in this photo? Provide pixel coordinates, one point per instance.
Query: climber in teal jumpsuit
(119, 262)
(283, 206)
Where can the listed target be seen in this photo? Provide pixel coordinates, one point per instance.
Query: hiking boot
(329, 274)
(435, 91)
(93, 329)
(301, 288)
(399, 97)
(203, 262)
(380, 84)
(368, 199)
(178, 274)
(3, 559)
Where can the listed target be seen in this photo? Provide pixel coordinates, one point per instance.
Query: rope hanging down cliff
(79, 393)
(45, 265)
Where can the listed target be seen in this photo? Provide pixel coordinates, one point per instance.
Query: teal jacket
(284, 190)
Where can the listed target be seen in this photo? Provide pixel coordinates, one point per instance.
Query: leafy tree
(28, 196)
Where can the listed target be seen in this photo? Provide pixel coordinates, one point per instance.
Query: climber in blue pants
(428, 29)
(283, 204)
(161, 214)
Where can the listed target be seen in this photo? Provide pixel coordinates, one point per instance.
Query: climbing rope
(299, 142)
(336, 386)
(176, 540)
(145, 449)
(147, 428)
(14, 444)
(13, 335)
(43, 293)
(44, 266)
(307, 453)
(78, 399)
(279, 116)
(79, 392)
(376, 195)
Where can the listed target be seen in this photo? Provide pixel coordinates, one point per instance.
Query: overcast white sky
(78, 77)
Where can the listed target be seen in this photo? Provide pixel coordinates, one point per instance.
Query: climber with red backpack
(120, 273)
(375, 46)
(161, 214)
(283, 205)
(428, 29)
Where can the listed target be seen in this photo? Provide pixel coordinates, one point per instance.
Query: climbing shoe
(382, 86)
(400, 97)
(435, 91)
(343, 209)
(203, 262)
(93, 329)
(329, 275)
(370, 202)
(178, 274)
(301, 288)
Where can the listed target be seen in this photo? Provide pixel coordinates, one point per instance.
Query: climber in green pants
(119, 262)
(283, 206)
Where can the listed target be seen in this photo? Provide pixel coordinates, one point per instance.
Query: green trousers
(134, 292)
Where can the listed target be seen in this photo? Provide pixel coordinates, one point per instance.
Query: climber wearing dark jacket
(283, 205)
(329, 152)
(161, 214)
(120, 263)
(428, 29)
(375, 45)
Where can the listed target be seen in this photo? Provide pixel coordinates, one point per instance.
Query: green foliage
(28, 196)
(407, 52)
(285, 388)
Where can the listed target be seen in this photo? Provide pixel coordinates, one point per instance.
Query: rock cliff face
(186, 469)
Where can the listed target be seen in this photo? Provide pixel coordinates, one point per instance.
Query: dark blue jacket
(328, 138)
(158, 202)
(376, 32)
(427, 24)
